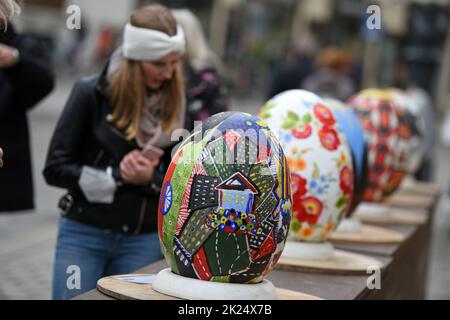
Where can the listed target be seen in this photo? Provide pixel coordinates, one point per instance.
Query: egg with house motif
(349, 122)
(379, 119)
(319, 160)
(225, 203)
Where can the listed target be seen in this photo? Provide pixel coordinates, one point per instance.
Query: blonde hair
(8, 9)
(128, 91)
(198, 53)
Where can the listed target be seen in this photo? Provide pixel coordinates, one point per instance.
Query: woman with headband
(110, 150)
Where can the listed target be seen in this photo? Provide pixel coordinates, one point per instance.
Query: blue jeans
(84, 254)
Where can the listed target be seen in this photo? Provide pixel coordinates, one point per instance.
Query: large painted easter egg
(422, 109)
(411, 132)
(379, 119)
(225, 205)
(404, 148)
(319, 159)
(349, 122)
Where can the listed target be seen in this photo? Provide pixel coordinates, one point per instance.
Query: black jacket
(205, 93)
(21, 87)
(84, 137)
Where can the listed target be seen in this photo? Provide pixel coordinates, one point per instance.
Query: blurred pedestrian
(67, 54)
(205, 92)
(25, 79)
(106, 42)
(291, 75)
(332, 77)
(7, 9)
(110, 150)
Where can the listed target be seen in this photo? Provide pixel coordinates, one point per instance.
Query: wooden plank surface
(325, 286)
(382, 249)
(412, 201)
(395, 216)
(406, 269)
(369, 235)
(123, 290)
(342, 262)
(425, 188)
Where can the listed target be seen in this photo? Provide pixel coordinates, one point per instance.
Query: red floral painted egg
(379, 119)
(319, 159)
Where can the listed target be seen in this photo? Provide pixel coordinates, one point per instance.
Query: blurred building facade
(254, 36)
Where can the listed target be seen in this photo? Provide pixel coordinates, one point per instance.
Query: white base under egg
(408, 181)
(171, 284)
(308, 250)
(349, 225)
(372, 210)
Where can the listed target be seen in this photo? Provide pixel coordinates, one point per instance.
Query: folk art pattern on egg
(225, 206)
(319, 160)
(349, 122)
(380, 122)
(410, 147)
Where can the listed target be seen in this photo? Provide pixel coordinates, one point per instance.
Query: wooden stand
(368, 234)
(404, 272)
(403, 275)
(413, 201)
(123, 290)
(394, 216)
(420, 188)
(342, 262)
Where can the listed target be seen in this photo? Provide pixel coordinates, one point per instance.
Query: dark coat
(83, 136)
(205, 93)
(21, 87)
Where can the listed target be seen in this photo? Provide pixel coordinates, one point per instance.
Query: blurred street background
(254, 38)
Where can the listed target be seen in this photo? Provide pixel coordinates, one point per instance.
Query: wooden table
(326, 286)
(403, 276)
(406, 277)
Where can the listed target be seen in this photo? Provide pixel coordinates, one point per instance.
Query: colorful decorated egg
(403, 150)
(378, 117)
(319, 159)
(225, 205)
(423, 110)
(411, 133)
(349, 122)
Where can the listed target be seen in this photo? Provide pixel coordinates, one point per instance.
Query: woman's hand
(1, 157)
(136, 168)
(8, 56)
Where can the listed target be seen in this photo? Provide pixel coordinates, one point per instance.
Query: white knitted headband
(149, 44)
